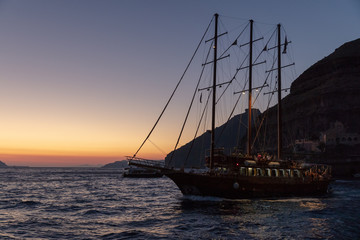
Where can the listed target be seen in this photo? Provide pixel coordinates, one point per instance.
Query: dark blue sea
(90, 203)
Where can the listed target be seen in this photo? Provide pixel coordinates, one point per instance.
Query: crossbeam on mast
(217, 85)
(241, 45)
(291, 64)
(254, 64)
(277, 46)
(215, 60)
(216, 37)
(275, 91)
(257, 88)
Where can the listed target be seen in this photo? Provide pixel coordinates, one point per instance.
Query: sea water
(93, 203)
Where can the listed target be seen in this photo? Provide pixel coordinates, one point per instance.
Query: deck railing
(145, 163)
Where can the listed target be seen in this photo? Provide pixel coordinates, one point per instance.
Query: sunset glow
(83, 82)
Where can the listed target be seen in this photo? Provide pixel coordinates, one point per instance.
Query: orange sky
(60, 161)
(83, 83)
(76, 139)
(76, 146)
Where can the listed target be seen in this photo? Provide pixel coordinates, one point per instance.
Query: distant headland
(116, 164)
(3, 165)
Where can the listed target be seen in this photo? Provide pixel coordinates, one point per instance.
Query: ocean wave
(74, 204)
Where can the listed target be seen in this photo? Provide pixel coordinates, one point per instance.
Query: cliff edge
(326, 94)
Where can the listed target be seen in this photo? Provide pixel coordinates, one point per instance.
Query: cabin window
(296, 173)
(281, 173)
(259, 172)
(289, 173)
(267, 172)
(274, 173)
(250, 172)
(242, 171)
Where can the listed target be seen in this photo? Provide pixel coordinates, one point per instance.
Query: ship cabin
(264, 166)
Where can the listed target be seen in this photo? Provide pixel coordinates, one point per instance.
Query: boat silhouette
(253, 173)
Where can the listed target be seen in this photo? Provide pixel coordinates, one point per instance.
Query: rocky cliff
(326, 93)
(228, 136)
(325, 96)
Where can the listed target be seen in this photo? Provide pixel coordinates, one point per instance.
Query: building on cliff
(323, 101)
(337, 134)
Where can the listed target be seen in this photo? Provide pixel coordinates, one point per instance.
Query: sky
(82, 82)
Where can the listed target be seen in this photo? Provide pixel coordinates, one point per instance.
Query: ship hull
(238, 187)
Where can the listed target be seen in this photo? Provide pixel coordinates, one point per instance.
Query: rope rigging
(173, 93)
(226, 74)
(198, 127)
(191, 104)
(234, 77)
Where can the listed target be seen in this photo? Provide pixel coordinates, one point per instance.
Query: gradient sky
(82, 82)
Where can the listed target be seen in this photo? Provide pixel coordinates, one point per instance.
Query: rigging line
(271, 37)
(232, 44)
(266, 119)
(230, 115)
(237, 101)
(265, 116)
(265, 48)
(261, 122)
(266, 126)
(191, 104)
(177, 85)
(258, 56)
(259, 128)
(238, 138)
(198, 127)
(264, 83)
(264, 23)
(158, 148)
(236, 18)
(234, 77)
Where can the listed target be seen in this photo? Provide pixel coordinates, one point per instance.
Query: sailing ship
(247, 175)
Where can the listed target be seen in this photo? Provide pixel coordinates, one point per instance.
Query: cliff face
(328, 92)
(325, 96)
(228, 136)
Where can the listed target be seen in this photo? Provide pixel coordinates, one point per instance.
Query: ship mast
(250, 88)
(214, 95)
(279, 67)
(279, 123)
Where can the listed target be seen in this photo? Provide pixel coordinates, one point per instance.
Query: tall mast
(250, 89)
(279, 123)
(214, 96)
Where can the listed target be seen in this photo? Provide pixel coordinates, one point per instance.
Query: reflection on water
(314, 205)
(96, 204)
(291, 218)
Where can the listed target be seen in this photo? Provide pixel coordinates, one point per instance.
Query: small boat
(138, 172)
(249, 174)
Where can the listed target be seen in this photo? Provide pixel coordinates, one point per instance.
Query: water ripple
(65, 203)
